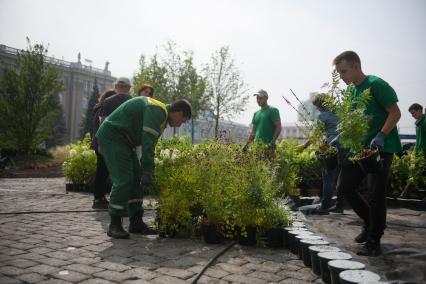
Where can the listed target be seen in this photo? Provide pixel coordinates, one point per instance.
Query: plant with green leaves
(79, 166)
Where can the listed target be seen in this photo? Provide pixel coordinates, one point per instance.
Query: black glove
(378, 141)
(272, 145)
(146, 179)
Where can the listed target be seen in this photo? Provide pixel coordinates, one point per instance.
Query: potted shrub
(272, 222)
(79, 166)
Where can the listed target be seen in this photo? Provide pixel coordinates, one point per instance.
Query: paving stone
(11, 270)
(83, 268)
(32, 256)
(204, 279)
(97, 281)
(235, 278)
(112, 275)
(304, 274)
(13, 251)
(119, 259)
(53, 261)
(71, 276)
(44, 269)
(40, 250)
(22, 263)
(112, 266)
(9, 280)
(266, 276)
(237, 261)
(233, 268)
(180, 273)
(86, 260)
(294, 281)
(263, 267)
(22, 246)
(32, 277)
(168, 280)
(142, 273)
(211, 271)
(61, 255)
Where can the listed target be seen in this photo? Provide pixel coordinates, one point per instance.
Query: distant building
(204, 127)
(78, 82)
(291, 130)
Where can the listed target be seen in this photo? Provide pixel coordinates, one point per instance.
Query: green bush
(80, 164)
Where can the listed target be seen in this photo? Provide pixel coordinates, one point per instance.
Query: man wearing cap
(122, 88)
(266, 122)
(138, 121)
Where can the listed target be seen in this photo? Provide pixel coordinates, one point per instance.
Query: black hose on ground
(211, 262)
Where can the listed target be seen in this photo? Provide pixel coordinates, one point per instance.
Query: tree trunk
(192, 130)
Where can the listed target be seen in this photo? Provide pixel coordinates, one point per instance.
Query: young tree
(88, 118)
(225, 88)
(28, 94)
(173, 76)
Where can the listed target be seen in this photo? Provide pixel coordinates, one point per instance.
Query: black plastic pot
(291, 239)
(297, 240)
(274, 237)
(249, 239)
(212, 233)
(285, 234)
(305, 244)
(371, 164)
(325, 257)
(358, 276)
(337, 266)
(78, 187)
(328, 162)
(313, 251)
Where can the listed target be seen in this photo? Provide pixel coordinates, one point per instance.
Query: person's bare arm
(277, 131)
(394, 114)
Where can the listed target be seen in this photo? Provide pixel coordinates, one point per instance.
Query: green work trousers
(124, 169)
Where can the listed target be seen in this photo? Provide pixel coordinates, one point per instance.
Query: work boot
(100, 203)
(320, 211)
(370, 248)
(138, 226)
(116, 230)
(362, 237)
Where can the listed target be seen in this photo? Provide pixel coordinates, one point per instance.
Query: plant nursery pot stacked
(314, 250)
(325, 257)
(300, 237)
(286, 235)
(212, 234)
(291, 238)
(305, 244)
(358, 276)
(337, 266)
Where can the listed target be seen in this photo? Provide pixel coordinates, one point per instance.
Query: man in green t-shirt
(382, 133)
(416, 111)
(138, 121)
(266, 123)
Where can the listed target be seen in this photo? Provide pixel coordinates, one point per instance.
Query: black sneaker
(362, 237)
(371, 248)
(116, 229)
(101, 203)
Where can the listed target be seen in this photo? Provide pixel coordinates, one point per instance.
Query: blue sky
(277, 44)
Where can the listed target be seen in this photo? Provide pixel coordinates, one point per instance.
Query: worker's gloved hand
(245, 148)
(146, 179)
(378, 141)
(272, 145)
(335, 141)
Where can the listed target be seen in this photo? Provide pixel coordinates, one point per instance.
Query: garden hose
(211, 261)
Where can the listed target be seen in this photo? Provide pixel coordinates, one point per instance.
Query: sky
(276, 44)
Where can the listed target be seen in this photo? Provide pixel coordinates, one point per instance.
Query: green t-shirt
(263, 120)
(383, 96)
(421, 136)
(138, 121)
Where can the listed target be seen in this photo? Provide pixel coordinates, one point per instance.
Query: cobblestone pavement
(74, 248)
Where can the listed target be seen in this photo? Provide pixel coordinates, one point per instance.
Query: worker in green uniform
(382, 133)
(416, 111)
(266, 123)
(138, 121)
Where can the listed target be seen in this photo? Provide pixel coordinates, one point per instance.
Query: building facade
(78, 80)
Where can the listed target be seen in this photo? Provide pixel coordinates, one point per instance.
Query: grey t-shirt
(330, 120)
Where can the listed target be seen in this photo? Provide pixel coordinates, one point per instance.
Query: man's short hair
(349, 56)
(122, 82)
(182, 106)
(319, 100)
(415, 107)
